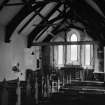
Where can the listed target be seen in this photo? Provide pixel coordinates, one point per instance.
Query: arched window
(73, 48)
(73, 37)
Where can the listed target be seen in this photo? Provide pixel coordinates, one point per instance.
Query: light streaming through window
(74, 52)
(87, 55)
(60, 55)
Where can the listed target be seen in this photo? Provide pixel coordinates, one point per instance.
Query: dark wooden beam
(31, 2)
(36, 13)
(62, 43)
(14, 4)
(15, 22)
(51, 22)
(42, 32)
(48, 38)
(25, 2)
(32, 35)
(61, 16)
(18, 18)
(57, 29)
(101, 4)
(52, 33)
(90, 19)
(3, 3)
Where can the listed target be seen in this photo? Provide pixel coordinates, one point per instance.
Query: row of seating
(17, 93)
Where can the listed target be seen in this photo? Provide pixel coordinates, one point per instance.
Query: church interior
(52, 52)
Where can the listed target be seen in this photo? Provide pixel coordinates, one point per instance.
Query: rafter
(52, 21)
(42, 32)
(61, 43)
(49, 36)
(18, 18)
(47, 25)
(79, 10)
(37, 12)
(41, 26)
(15, 21)
(14, 4)
(3, 3)
(24, 2)
(32, 2)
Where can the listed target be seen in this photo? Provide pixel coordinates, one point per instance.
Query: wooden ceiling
(91, 13)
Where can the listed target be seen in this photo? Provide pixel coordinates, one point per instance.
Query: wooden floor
(77, 93)
(74, 99)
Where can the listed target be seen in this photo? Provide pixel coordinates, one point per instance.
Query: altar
(72, 72)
